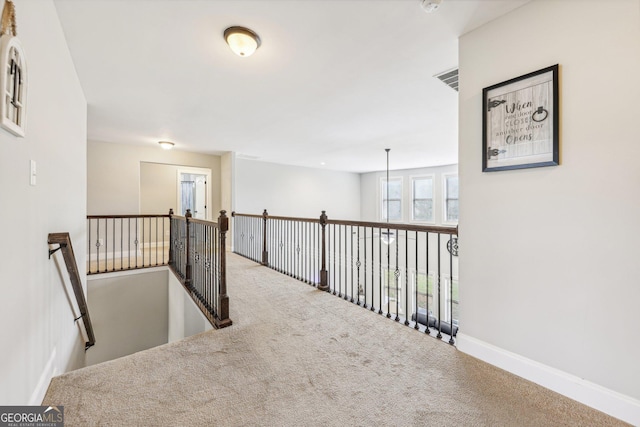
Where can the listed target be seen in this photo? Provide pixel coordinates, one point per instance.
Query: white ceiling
(334, 82)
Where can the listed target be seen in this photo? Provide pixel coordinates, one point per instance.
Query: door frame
(195, 171)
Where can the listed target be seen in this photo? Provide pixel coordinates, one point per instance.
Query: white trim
(603, 399)
(209, 191)
(48, 372)
(100, 276)
(444, 198)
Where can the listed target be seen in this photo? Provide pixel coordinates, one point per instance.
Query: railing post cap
(265, 213)
(171, 211)
(188, 214)
(323, 217)
(223, 214)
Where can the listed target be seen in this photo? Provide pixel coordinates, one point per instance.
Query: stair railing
(406, 272)
(64, 244)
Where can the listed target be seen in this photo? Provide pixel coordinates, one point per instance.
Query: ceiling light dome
(167, 145)
(430, 5)
(241, 40)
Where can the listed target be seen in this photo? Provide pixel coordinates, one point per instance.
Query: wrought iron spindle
(439, 279)
(406, 275)
(417, 271)
(380, 270)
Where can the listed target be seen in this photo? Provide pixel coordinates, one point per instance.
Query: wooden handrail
(64, 241)
(127, 216)
(390, 225)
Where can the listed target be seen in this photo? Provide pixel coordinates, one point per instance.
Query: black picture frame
(520, 122)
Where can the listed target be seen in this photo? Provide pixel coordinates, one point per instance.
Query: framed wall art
(13, 74)
(520, 122)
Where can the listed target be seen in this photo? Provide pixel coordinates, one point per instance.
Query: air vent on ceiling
(246, 156)
(450, 78)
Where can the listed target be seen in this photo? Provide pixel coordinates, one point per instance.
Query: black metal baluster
(280, 246)
(373, 270)
(113, 244)
(288, 248)
(164, 224)
(451, 341)
(339, 262)
(417, 272)
(388, 274)
(364, 271)
(299, 253)
(129, 243)
(114, 261)
(406, 275)
(380, 270)
(439, 311)
(137, 241)
(396, 275)
(351, 263)
(358, 264)
(427, 276)
(89, 243)
(98, 244)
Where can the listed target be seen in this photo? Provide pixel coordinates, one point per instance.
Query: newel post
(222, 320)
(324, 285)
(171, 231)
(265, 254)
(187, 270)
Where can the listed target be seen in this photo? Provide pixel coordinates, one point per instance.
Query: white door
(194, 193)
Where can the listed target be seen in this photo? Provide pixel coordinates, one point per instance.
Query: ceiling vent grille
(450, 78)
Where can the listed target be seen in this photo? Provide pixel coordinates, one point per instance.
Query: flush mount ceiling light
(242, 41)
(166, 145)
(430, 6)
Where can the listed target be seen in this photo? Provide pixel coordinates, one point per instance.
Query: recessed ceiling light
(167, 145)
(241, 40)
(322, 163)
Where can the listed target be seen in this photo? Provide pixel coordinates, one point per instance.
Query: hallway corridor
(296, 356)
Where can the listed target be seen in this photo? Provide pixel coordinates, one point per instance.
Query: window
(451, 198)
(394, 199)
(13, 85)
(422, 199)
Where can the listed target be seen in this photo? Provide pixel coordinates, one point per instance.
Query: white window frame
(433, 199)
(445, 198)
(381, 211)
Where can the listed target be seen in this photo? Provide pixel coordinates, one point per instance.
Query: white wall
(129, 312)
(185, 318)
(370, 197)
(295, 191)
(38, 334)
(227, 177)
(136, 310)
(548, 264)
(113, 175)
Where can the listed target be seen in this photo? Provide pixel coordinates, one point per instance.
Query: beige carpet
(296, 356)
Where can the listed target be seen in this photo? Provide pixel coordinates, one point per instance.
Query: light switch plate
(32, 174)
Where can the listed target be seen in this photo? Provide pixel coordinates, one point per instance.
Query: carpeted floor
(296, 356)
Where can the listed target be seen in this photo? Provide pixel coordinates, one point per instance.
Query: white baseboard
(603, 399)
(113, 255)
(45, 378)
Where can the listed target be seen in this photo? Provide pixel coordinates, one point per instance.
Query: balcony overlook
(298, 356)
